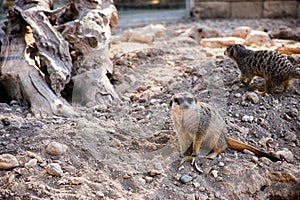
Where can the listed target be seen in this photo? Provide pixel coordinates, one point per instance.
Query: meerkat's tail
(240, 146)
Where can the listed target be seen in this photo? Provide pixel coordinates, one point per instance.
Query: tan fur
(200, 125)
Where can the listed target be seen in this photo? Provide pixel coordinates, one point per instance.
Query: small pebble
(127, 176)
(285, 154)
(252, 97)
(30, 154)
(148, 179)
(186, 178)
(8, 161)
(31, 163)
(292, 113)
(100, 194)
(76, 181)
(177, 177)
(196, 184)
(214, 173)
(254, 159)
(181, 168)
(55, 148)
(154, 173)
(247, 118)
(237, 95)
(221, 164)
(54, 169)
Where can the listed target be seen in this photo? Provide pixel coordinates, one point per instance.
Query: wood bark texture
(45, 50)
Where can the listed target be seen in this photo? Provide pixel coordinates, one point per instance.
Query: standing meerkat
(202, 126)
(275, 68)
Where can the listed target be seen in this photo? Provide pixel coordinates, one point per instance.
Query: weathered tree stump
(44, 51)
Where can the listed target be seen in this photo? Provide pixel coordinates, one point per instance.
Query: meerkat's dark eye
(231, 51)
(176, 100)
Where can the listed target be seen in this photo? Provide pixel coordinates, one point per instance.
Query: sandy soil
(130, 151)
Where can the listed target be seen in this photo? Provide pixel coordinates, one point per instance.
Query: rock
(145, 34)
(220, 42)
(56, 149)
(14, 103)
(193, 32)
(241, 32)
(77, 181)
(252, 97)
(247, 118)
(285, 33)
(285, 154)
(210, 33)
(237, 95)
(30, 154)
(8, 161)
(142, 37)
(283, 177)
(202, 189)
(289, 136)
(214, 173)
(5, 121)
(31, 163)
(54, 169)
(177, 177)
(196, 184)
(221, 164)
(100, 194)
(154, 172)
(127, 175)
(254, 159)
(266, 161)
(259, 38)
(230, 171)
(292, 112)
(148, 179)
(263, 123)
(289, 49)
(186, 178)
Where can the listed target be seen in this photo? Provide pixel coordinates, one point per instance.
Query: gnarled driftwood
(44, 50)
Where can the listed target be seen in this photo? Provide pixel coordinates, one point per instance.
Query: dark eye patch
(231, 52)
(176, 100)
(189, 100)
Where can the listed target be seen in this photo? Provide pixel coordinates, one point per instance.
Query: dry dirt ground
(130, 150)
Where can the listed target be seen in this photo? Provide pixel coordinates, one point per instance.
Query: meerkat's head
(234, 50)
(182, 101)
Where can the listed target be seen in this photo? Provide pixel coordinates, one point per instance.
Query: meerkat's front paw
(188, 159)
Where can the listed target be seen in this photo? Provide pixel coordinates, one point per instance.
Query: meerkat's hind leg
(243, 79)
(216, 151)
(269, 87)
(286, 84)
(249, 79)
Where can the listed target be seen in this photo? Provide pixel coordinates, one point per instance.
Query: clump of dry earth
(130, 151)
